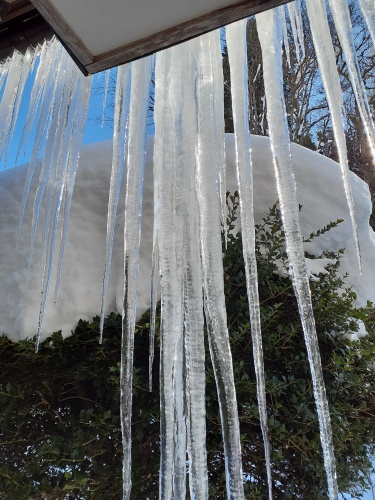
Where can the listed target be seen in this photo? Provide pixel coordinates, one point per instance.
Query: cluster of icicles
(189, 207)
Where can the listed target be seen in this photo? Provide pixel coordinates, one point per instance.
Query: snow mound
(320, 191)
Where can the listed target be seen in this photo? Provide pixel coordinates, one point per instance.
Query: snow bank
(320, 191)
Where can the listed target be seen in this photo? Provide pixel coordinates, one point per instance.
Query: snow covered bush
(60, 432)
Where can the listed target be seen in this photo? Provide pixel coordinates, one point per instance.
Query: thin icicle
(155, 285)
(208, 190)
(28, 63)
(327, 64)
(368, 11)
(269, 31)
(120, 137)
(341, 16)
(285, 34)
(136, 158)
(237, 53)
(105, 94)
(219, 151)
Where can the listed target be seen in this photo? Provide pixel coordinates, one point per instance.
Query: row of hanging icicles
(188, 166)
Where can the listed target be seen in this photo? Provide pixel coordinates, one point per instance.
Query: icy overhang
(100, 34)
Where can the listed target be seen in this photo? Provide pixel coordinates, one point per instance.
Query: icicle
(75, 142)
(341, 16)
(65, 145)
(50, 112)
(105, 94)
(4, 68)
(285, 34)
(188, 258)
(269, 34)
(208, 178)
(327, 63)
(48, 77)
(47, 57)
(9, 98)
(118, 160)
(155, 285)
(136, 158)
(295, 15)
(368, 11)
(219, 151)
(28, 62)
(237, 53)
(171, 293)
(174, 158)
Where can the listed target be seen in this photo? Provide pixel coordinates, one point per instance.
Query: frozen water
(135, 158)
(319, 191)
(182, 214)
(120, 137)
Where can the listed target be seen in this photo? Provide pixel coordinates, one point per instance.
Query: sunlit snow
(320, 192)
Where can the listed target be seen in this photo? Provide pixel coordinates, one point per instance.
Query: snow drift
(320, 192)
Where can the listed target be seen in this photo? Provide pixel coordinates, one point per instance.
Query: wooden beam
(71, 41)
(181, 33)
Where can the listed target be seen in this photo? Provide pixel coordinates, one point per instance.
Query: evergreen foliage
(60, 434)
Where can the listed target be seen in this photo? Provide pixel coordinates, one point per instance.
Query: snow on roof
(320, 191)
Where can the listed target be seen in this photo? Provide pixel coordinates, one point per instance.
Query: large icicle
(327, 64)
(171, 327)
(120, 138)
(208, 189)
(341, 16)
(237, 53)
(270, 38)
(177, 219)
(28, 63)
(136, 158)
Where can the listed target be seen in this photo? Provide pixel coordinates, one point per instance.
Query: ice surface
(269, 31)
